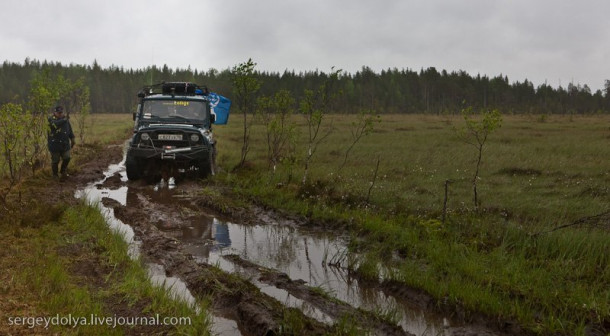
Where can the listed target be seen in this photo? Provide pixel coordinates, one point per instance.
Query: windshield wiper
(175, 116)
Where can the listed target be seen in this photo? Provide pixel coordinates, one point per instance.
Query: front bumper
(177, 154)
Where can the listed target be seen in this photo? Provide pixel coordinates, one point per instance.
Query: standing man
(60, 140)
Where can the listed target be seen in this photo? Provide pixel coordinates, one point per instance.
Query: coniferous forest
(113, 89)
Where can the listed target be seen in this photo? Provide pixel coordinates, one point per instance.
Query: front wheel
(133, 168)
(208, 167)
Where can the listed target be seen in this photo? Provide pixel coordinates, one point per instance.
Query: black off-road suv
(172, 132)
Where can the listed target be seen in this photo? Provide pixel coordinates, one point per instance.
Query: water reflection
(302, 255)
(95, 193)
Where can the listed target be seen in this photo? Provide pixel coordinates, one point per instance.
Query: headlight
(209, 136)
(194, 137)
(145, 137)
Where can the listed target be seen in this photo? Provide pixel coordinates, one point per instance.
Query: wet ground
(254, 267)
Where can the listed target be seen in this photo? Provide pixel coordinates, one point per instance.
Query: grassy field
(541, 174)
(105, 128)
(510, 259)
(537, 250)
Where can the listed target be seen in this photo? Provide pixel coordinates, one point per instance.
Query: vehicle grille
(159, 143)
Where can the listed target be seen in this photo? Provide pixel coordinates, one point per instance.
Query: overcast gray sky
(553, 41)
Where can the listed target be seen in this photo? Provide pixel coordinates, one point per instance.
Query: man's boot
(54, 168)
(64, 169)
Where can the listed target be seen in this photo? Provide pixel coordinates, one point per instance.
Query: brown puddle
(300, 254)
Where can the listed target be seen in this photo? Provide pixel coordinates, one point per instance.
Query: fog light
(194, 137)
(145, 137)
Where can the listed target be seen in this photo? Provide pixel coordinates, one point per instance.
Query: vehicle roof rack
(174, 88)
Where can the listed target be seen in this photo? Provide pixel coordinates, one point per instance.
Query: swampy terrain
(262, 272)
(356, 250)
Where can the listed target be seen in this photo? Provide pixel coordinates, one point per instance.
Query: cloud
(541, 40)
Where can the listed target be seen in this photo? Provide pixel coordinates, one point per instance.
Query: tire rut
(230, 296)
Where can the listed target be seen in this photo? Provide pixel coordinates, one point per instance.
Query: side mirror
(212, 118)
(134, 116)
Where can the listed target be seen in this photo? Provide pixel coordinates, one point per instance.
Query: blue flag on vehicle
(220, 106)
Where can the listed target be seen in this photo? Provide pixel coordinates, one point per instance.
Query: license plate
(176, 137)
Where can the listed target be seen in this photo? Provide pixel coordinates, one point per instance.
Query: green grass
(53, 251)
(79, 239)
(560, 161)
(106, 128)
(536, 175)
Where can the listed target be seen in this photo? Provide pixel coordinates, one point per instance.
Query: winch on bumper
(184, 154)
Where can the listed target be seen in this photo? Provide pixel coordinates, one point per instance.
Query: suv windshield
(181, 109)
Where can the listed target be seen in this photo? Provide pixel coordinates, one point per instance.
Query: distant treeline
(114, 89)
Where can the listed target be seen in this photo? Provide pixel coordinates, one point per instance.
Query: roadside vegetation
(535, 247)
(60, 259)
(66, 263)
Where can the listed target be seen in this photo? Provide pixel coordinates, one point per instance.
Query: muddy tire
(208, 167)
(213, 161)
(133, 168)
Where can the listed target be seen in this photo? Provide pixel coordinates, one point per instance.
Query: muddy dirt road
(263, 274)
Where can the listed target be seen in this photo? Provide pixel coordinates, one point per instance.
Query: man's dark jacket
(60, 134)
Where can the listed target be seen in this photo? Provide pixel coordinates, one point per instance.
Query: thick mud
(258, 269)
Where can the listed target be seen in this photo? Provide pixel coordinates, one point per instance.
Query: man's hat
(59, 109)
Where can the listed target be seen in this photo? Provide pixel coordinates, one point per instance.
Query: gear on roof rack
(172, 88)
